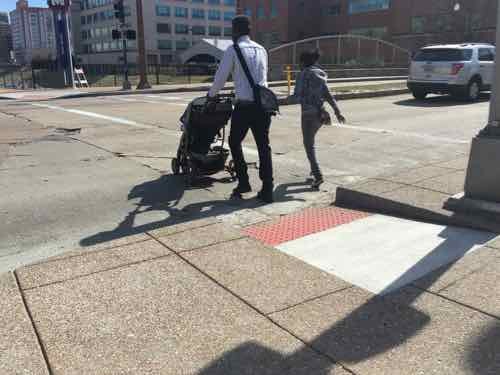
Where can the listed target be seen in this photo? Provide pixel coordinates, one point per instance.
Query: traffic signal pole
(119, 8)
(126, 83)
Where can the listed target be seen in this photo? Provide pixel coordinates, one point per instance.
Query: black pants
(247, 117)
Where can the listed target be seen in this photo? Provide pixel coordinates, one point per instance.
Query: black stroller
(201, 149)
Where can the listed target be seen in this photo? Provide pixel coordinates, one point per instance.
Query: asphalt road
(81, 172)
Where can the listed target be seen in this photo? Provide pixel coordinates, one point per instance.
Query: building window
(198, 14)
(373, 32)
(334, 10)
(214, 30)
(247, 12)
(362, 6)
(164, 44)
(181, 12)
(230, 3)
(214, 2)
(418, 25)
(181, 45)
(274, 9)
(260, 12)
(228, 16)
(181, 29)
(214, 14)
(163, 28)
(228, 31)
(163, 11)
(199, 30)
(165, 59)
(198, 1)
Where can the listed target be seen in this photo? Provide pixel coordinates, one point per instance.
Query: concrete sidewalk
(419, 193)
(343, 85)
(204, 298)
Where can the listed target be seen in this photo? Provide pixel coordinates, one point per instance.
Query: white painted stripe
(134, 100)
(167, 97)
(381, 253)
(391, 132)
(117, 120)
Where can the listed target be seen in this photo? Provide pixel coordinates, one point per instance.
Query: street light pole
(143, 78)
(482, 184)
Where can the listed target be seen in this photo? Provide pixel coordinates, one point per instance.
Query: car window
(485, 54)
(443, 54)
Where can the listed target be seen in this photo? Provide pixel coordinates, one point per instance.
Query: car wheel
(418, 94)
(473, 90)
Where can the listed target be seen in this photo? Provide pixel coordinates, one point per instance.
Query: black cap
(241, 23)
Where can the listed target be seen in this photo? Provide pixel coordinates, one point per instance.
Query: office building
(5, 38)
(33, 35)
(171, 27)
(407, 23)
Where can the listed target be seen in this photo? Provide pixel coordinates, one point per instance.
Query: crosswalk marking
(379, 253)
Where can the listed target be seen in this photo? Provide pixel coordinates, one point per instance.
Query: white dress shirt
(256, 57)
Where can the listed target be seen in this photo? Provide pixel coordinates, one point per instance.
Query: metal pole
(126, 82)
(494, 116)
(70, 49)
(339, 47)
(143, 79)
(22, 79)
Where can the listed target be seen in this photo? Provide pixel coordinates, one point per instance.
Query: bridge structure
(343, 55)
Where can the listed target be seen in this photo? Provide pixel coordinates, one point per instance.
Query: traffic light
(130, 35)
(119, 10)
(116, 34)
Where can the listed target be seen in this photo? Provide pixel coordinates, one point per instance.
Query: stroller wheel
(190, 171)
(176, 168)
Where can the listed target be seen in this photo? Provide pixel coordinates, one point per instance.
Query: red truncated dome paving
(304, 223)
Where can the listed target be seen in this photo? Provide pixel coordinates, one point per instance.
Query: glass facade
(363, 6)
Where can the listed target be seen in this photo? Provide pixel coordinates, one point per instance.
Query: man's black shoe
(242, 188)
(265, 196)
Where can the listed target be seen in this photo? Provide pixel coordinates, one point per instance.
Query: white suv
(462, 70)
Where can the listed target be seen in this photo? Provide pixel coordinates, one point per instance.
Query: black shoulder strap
(244, 64)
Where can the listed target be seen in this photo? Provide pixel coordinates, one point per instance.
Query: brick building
(408, 23)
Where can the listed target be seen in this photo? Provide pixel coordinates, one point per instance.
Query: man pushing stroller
(311, 92)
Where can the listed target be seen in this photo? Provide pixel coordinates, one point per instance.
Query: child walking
(311, 91)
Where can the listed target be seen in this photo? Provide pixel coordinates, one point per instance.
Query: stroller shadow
(166, 194)
(378, 325)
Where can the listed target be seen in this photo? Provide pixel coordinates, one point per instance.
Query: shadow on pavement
(381, 324)
(165, 194)
(484, 353)
(441, 101)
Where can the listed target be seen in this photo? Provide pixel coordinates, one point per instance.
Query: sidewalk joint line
(33, 325)
(458, 303)
(148, 233)
(83, 253)
(256, 309)
(101, 271)
(312, 299)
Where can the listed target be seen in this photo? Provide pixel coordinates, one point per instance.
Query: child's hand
(340, 118)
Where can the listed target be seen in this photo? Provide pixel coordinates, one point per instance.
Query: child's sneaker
(317, 183)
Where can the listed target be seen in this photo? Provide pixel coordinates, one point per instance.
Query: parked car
(462, 70)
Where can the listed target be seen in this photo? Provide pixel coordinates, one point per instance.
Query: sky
(8, 5)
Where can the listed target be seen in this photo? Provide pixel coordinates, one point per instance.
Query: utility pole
(143, 78)
(119, 8)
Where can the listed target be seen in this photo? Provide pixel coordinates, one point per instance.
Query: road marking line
(126, 99)
(117, 120)
(390, 132)
(166, 97)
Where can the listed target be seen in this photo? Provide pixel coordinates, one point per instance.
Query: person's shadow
(381, 324)
(165, 195)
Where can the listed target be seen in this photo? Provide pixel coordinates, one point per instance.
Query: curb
(352, 199)
(357, 95)
(207, 87)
